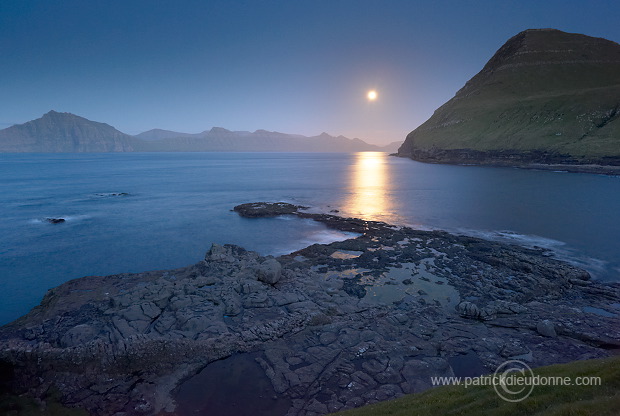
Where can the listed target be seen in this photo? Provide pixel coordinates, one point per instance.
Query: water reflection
(369, 185)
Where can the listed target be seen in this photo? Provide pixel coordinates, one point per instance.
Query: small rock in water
(55, 220)
(112, 194)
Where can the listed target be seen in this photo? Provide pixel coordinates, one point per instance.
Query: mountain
(545, 97)
(222, 140)
(392, 147)
(64, 132)
(158, 134)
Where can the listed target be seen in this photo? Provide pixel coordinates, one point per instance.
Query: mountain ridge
(66, 132)
(59, 132)
(545, 97)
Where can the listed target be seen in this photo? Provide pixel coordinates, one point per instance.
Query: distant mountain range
(546, 97)
(66, 132)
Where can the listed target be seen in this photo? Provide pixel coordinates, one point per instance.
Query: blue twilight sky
(295, 66)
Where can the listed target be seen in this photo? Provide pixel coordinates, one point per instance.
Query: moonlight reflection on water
(369, 186)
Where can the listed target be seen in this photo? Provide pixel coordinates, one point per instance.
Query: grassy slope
(522, 104)
(544, 401)
(564, 122)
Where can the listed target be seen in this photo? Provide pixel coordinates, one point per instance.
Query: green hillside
(552, 93)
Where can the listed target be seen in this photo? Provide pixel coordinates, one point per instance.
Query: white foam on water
(286, 217)
(558, 249)
(315, 237)
(422, 227)
(325, 237)
(511, 237)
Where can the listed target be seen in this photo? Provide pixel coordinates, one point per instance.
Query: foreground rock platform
(332, 326)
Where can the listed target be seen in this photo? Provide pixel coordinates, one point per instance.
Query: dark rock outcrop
(545, 98)
(332, 326)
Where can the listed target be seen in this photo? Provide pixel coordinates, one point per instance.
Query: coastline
(591, 168)
(333, 326)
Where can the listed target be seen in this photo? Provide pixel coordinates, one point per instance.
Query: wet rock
(505, 307)
(232, 306)
(266, 209)
(546, 328)
(390, 375)
(374, 366)
(352, 287)
(269, 271)
(417, 373)
(513, 349)
(468, 310)
(327, 338)
(55, 220)
(144, 407)
(316, 407)
(219, 253)
(79, 334)
(320, 338)
(112, 194)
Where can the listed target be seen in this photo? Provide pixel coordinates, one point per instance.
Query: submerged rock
(111, 194)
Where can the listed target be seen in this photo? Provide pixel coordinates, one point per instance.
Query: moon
(372, 95)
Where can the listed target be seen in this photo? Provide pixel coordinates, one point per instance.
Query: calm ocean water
(178, 204)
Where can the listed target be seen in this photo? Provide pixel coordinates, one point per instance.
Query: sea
(132, 212)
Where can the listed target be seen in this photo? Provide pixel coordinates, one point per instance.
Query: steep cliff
(545, 97)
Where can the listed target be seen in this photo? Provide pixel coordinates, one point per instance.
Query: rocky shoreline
(536, 160)
(332, 326)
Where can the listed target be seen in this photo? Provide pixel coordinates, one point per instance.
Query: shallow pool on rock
(234, 386)
(410, 279)
(598, 311)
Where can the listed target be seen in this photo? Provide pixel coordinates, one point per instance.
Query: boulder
(546, 328)
(468, 310)
(220, 254)
(270, 271)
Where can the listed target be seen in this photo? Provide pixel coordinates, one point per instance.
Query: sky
(294, 66)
